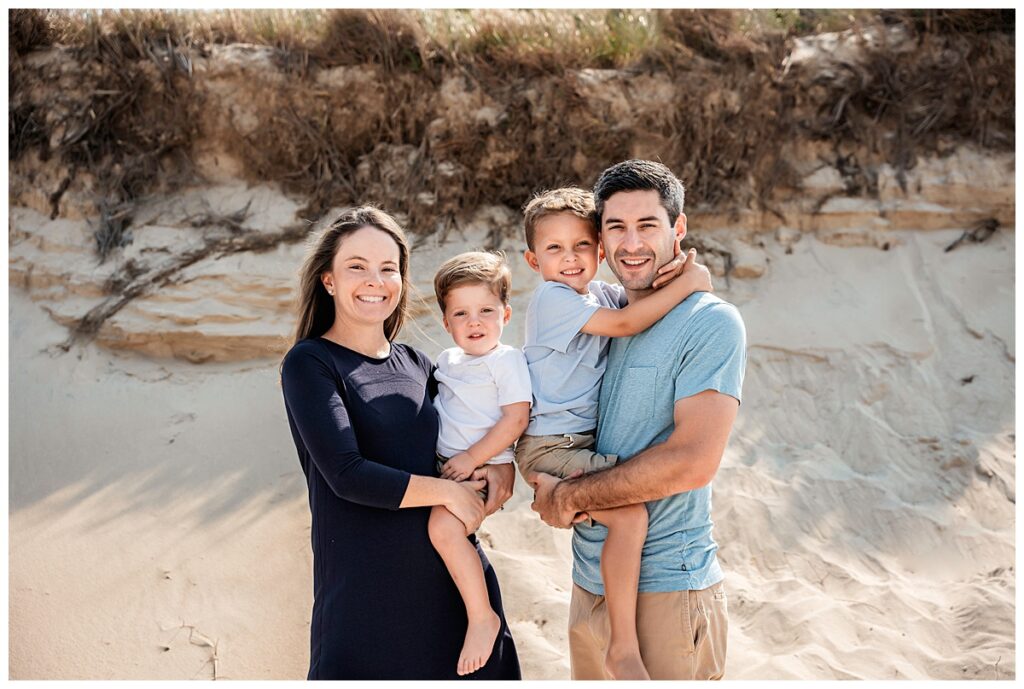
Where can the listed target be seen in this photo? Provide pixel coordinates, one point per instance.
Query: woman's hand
(500, 478)
(465, 504)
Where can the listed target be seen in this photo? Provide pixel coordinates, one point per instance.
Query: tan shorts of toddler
(560, 455)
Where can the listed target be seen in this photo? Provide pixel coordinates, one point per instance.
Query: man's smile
(634, 261)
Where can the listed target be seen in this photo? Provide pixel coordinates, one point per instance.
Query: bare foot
(625, 664)
(476, 649)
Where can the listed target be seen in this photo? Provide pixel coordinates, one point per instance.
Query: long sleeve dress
(384, 605)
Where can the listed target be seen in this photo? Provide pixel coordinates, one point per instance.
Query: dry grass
(137, 116)
(287, 29)
(583, 37)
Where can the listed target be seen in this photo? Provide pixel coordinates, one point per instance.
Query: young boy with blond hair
(483, 405)
(569, 322)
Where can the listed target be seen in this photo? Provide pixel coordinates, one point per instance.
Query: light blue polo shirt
(699, 345)
(565, 364)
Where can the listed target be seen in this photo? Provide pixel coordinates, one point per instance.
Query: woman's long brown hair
(315, 305)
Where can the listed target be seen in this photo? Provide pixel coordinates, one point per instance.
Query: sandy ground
(159, 525)
(865, 506)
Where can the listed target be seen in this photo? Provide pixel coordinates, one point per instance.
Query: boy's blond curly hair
(578, 202)
(474, 268)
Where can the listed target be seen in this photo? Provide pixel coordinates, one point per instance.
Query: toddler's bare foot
(476, 649)
(625, 664)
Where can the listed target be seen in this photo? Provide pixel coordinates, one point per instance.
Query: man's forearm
(658, 472)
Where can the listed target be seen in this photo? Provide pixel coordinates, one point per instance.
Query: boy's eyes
(462, 312)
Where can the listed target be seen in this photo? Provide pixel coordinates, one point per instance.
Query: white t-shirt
(470, 393)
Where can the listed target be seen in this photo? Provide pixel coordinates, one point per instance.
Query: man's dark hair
(640, 175)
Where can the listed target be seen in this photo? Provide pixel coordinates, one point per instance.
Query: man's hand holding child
(553, 511)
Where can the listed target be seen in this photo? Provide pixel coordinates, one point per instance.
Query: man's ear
(680, 230)
(531, 260)
(600, 250)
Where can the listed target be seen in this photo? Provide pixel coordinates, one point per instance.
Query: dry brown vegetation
(130, 124)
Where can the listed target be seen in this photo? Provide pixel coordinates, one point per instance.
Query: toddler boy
(483, 405)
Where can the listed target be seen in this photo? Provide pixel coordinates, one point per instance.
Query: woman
(359, 408)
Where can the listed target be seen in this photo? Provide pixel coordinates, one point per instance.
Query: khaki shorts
(682, 634)
(440, 467)
(560, 455)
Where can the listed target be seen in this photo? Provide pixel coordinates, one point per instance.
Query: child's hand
(460, 467)
(696, 275)
(673, 269)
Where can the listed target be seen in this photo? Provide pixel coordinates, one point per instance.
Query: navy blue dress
(384, 606)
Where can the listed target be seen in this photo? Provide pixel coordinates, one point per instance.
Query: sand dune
(865, 506)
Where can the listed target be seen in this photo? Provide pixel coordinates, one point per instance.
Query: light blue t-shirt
(566, 365)
(699, 345)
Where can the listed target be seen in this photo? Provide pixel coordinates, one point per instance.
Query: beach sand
(864, 507)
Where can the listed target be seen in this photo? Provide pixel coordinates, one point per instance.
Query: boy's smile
(566, 250)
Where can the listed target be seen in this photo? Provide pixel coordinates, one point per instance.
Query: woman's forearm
(459, 498)
(425, 491)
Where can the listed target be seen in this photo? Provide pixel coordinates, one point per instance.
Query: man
(668, 401)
